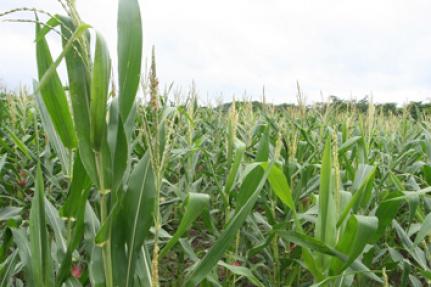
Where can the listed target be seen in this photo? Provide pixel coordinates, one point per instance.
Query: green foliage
(98, 188)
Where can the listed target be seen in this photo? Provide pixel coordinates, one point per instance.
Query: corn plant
(100, 188)
(96, 152)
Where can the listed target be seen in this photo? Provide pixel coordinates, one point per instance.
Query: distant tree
(362, 105)
(418, 109)
(339, 104)
(388, 108)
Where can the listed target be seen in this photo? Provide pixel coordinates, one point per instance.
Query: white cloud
(341, 48)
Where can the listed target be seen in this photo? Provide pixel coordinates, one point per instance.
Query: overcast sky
(342, 48)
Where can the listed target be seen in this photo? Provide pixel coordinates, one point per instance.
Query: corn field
(101, 187)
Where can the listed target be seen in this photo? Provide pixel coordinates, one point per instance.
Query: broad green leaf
(79, 76)
(326, 220)
(134, 220)
(53, 22)
(51, 70)
(263, 147)
(416, 253)
(426, 169)
(7, 268)
(386, 212)
(53, 94)
(425, 229)
(201, 269)
(248, 184)
(99, 92)
(389, 208)
(279, 185)
(19, 144)
(77, 189)
(106, 162)
(24, 252)
(343, 278)
(253, 177)
(413, 203)
(362, 186)
(358, 232)
(347, 144)
(39, 239)
(308, 242)
(195, 204)
(242, 271)
(95, 266)
(239, 153)
(415, 281)
(129, 49)
(311, 264)
(406, 272)
(97, 273)
(139, 207)
(313, 244)
(102, 235)
(118, 145)
(143, 272)
(211, 277)
(408, 195)
(9, 212)
(54, 140)
(74, 240)
(57, 225)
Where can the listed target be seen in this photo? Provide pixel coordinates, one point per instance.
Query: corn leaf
(74, 241)
(195, 204)
(239, 153)
(9, 212)
(53, 94)
(56, 225)
(386, 212)
(348, 144)
(133, 221)
(242, 271)
(129, 49)
(425, 230)
(415, 252)
(77, 190)
(358, 232)
(99, 92)
(118, 145)
(54, 140)
(7, 268)
(311, 243)
(326, 221)
(24, 252)
(279, 185)
(201, 269)
(39, 240)
(362, 186)
(19, 144)
(253, 178)
(78, 73)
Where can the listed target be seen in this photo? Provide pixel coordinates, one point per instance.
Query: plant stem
(106, 249)
(155, 260)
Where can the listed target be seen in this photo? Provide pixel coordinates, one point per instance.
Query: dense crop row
(100, 189)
